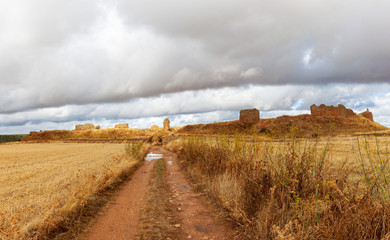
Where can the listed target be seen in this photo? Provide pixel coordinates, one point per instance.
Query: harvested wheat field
(42, 185)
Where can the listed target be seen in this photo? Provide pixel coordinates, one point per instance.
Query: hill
(324, 121)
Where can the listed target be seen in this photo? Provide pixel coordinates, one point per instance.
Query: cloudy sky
(138, 61)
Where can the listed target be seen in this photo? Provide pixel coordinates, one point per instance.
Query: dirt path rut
(199, 219)
(120, 219)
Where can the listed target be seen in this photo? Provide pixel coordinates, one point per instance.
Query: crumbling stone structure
(122, 125)
(331, 111)
(250, 116)
(154, 127)
(367, 114)
(85, 127)
(166, 124)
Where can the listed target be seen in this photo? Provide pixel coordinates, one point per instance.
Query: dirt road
(198, 218)
(120, 219)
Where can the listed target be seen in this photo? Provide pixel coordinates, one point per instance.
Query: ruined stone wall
(367, 114)
(166, 124)
(250, 116)
(154, 127)
(85, 127)
(122, 125)
(339, 111)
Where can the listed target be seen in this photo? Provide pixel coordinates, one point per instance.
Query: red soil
(199, 218)
(121, 218)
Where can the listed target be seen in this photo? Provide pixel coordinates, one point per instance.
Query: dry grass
(295, 189)
(158, 216)
(305, 125)
(45, 187)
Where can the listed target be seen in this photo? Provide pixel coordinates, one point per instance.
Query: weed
(158, 215)
(375, 168)
(288, 190)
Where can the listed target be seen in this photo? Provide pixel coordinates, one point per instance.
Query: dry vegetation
(305, 125)
(44, 188)
(295, 189)
(158, 216)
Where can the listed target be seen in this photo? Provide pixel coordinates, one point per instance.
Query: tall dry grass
(44, 188)
(292, 189)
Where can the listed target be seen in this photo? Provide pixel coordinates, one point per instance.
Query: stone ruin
(250, 116)
(87, 126)
(166, 124)
(331, 111)
(339, 111)
(154, 127)
(122, 125)
(367, 114)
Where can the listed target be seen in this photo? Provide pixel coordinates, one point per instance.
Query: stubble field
(42, 185)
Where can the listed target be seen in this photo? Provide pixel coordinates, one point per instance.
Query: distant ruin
(250, 116)
(367, 114)
(122, 125)
(331, 111)
(154, 127)
(166, 124)
(339, 111)
(87, 126)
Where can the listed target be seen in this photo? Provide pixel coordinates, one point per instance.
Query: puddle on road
(152, 156)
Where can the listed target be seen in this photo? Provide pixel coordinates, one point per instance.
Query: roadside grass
(292, 190)
(158, 218)
(51, 191)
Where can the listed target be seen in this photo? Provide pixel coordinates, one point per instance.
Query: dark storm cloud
(77, 60)
(55, 53)
(343, 41)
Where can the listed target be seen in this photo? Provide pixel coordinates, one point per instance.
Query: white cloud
(211, 105)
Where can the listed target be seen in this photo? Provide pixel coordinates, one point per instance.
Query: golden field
(42, 185)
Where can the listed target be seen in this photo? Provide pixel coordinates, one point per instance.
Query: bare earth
(200, 219)
(121, 219)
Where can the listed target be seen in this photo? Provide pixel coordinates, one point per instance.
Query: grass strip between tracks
(159, 220)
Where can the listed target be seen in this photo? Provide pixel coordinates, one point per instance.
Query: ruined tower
(250, 116)
(166, 124)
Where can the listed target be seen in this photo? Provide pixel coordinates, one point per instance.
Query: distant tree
(97, 127)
